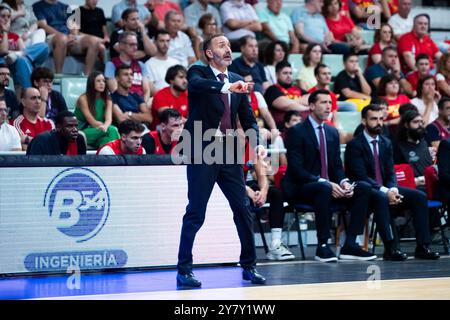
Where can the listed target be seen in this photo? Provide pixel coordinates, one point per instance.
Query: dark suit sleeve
(148, 143)
(443, 160)
(81, 145)
(295, 156)
(337, 161)
(36, 147)
(197, 81)
(355, 164)
(390, 178)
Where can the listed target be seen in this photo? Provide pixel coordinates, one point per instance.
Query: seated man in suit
(369, 159)
(315, 175)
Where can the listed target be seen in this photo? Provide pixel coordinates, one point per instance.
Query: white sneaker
(281, 253)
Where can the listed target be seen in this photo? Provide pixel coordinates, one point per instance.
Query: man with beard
(284, 96)
(411, 147)
(130, 141)
(217, 97)
(8, 95)
(369, 159)
(439, 129)
(174, 97)
(64, 140)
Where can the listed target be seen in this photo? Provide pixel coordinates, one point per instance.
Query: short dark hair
(126, 126)
(318, 67)
(442, 102)
(281, 65)
(168, 113)
(288, 115)
(426, 15)
(422, 56)
(243, 40)
(388, 48)
(421, 82)
(4, 65)
(406, 107)
(121, 67)
(41, 73)
(379, 101)
(347, 55)
(383, 82)
(127, 12)
(125, 35)
(173, 71)
(204, 19)
(313, 97)
(370, 107)
(207, 43)
(160, 32)
(61, 115)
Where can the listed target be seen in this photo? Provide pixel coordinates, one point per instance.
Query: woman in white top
(312, 57)
(427, 98)
(275, 52)
(443, 76)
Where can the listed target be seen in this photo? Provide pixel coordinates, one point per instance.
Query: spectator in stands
(443, 76)
(277, 26)
(239, 20)
(145, 49)
(389, 64)
(53, 16)
(94, 112)
(422, 70)
(402, 22)
(323, 75)
(29, 124)
(284, 96)
(310, 27)
(119, 8)
(341, 25)
(291, 118)
(275, 52)
(8, 95)
(180, 47)
(52, 102)
(194, 12)
(127, 47)
(389, 90)
(418, 41)
(411, 147)
(362, 10)
(164, 139)
(439, 129)
(248, 63)
(93, 21)
(127, 104)
(24, 22)
(157, 66)
(368, 159)
(64, 140)
(443, 162)
(161, 7)
(130, 141)
(427, 98)
(383, 38)
(385, 129)
(311, 59)
(15, 54)
(208, 26)
(174, 96)
(9, 137)
(350, 83)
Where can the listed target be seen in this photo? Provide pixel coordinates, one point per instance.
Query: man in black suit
(315, 175)
(443, 161)
(369, 158)
(216, 98)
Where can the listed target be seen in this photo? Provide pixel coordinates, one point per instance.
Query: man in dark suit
(216, 98)
(443, 161)
(369, 158)
(315, 175)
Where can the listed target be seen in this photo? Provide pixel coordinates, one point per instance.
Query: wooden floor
(406, 289)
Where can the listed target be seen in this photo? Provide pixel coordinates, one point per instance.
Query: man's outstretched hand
(240, 87)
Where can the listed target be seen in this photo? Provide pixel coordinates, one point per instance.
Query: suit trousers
(201, 179)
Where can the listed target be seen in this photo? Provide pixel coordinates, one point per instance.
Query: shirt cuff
(384, 189)
(322, 180)
(394, 189)
(225, 88)
(343, 180)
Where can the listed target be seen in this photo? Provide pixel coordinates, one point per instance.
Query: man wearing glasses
(9, 137)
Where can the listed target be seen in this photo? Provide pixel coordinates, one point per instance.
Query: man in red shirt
(174, 96)
(29, 123)
(164, 139)
(129, 142)
(413, 43)
(423, 70)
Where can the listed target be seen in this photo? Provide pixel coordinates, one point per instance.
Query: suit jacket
(360, 164)
(303, 155)
(205, 104)
(443, 161)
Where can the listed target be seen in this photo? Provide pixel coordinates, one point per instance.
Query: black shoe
(188, 280)
(355, 253)
(253, 275)
(325, 254)
(392, 254)
(423, 252)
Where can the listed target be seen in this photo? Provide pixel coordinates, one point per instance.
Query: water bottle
(304, 231)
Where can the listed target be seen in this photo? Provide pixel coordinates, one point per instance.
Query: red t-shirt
(158, 143)
(413, 79)
(334, 106)
(162, 8)
(13, 41)
(115, 146)
(164, 98)
(410, 42)
(393, 6)
(340, 27)
(24, 126)
(394, 104)
(376, 49)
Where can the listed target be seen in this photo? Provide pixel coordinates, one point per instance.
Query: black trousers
(276, 209)
(201, 179)
(319, 195)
